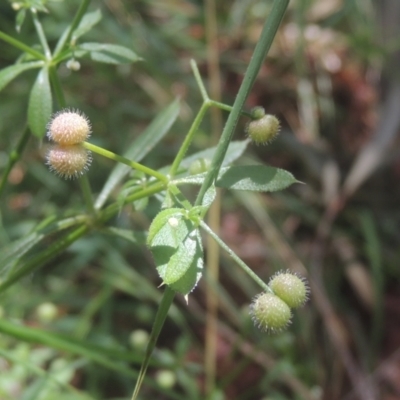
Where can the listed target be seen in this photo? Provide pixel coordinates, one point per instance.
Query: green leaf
(259, 178)
(127, 234)
(110, 53)
(11, 72)
(162, 232)
(40, 104)
(140, 148)
(175, 243)
(88, 21)
(185, 267)
(19, 19)
(235, 150)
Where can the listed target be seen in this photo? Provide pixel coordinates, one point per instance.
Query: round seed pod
(290, 288)
(270, 313)
(68, 127)
(69, 162)
(263, 130)
(257, 112)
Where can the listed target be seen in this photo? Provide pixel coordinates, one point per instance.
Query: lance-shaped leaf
(110, 53)
(9, 73)
(40, 104)
(88, 21)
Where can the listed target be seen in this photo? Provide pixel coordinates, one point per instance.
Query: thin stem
(199, 81)
(77, 19)
(58, 91)
(262, 47)
(226, 107)
(14, 157)
(54, 249)
(112, 209)
(87, 193)
(241, 264)
(65, 241)
(188, 139)
(159, 320)
(22, 46)
(112, 156)
(40, 32)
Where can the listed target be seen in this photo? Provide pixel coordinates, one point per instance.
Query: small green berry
(270, 313)
(138, 339)
(290, 288)
(165, 378)
(257, 112)
(69, 161)
(68, 127)
(263, 130)
(46, 312)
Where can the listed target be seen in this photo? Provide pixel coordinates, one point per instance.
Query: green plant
(174, 235)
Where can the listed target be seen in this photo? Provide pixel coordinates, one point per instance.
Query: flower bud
(68, 127)
(73, 65)
(290, 288)
(270, 313)
(263, 130)
(69, 161)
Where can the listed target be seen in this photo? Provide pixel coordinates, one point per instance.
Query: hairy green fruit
(270, 313)
(263, 130)
(257, 112)
(292, 289)
(68, 161)
(68, 127)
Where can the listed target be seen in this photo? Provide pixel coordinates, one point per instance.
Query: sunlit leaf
(259, 178)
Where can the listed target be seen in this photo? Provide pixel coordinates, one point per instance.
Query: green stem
(24, 268)
(112, 209)
(14, 157)
(262, 47)
(159, 320)
(188, 139)
(112, 156)
(228, 108)
(87, 194)
(22, 46)
(40, 32)
(77, 19)
(241, 264)
(58, 91)
(199, 81)
(54, 249)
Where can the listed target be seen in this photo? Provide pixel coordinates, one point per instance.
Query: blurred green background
(332, 78)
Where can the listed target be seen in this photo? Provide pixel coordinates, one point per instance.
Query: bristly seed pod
(290, 288)
(270, 313)
(68, 127)
(69, 162)
(263, 130)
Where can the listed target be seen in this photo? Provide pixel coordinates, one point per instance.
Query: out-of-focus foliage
(326, 77)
